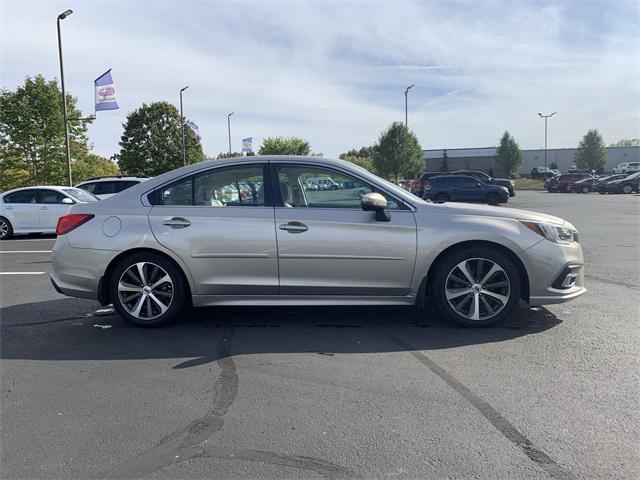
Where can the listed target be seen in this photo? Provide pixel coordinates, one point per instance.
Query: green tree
(92, 166)
(398, 153)
(363, 162)
(228, 155)
(445, 161)
(32, 134)
(591, 153)
(152, 141)
(508, 156)
(284, 146)
(626, 142)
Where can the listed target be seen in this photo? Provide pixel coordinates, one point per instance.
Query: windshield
(633, 176)
(81, 195)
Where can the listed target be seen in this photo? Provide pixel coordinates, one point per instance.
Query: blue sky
(335, 72)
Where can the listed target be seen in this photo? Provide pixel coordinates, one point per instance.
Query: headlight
(553, 233)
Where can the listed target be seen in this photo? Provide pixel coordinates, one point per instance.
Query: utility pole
(406, 108)
(62, 16)
(184, 151)
(546, 117)
(229, 129)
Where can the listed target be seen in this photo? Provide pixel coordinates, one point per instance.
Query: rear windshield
(81, 195)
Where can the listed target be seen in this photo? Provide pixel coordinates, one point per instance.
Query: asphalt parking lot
(329, 392)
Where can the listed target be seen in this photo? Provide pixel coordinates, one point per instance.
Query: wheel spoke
(127, 287)
(476, 307)
(130, 297)
(492, 271)
(147, 304)
(502, 298)
(140, 267)
(456, 278)
(479, 266)
(136, 309)
(452, 293)
(493, 286)
(156, 300)
(489, 308)
(462, 266)
(164, 279)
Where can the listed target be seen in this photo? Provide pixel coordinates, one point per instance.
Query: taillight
(66, 223)
(427, 186)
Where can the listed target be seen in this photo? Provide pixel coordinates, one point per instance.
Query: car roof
(54, 187)
(114, 179)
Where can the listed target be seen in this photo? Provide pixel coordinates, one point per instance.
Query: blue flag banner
(105, 92)
(195, 129)
(246, 145)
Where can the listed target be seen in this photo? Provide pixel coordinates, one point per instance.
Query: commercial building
(483, 158)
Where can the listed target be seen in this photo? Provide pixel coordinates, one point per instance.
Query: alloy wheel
(477, 289)
(627, 189)
(4, 228)
(145, 290)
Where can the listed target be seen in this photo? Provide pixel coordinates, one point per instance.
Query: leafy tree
(591, 153)
(93, 166)
(152, 141)
(508, 156)
(364, 152)
(398, 153)
(284, 146)
(626, 142)
(228, 155)
(363, 162)
(32, 134)
(445, 161)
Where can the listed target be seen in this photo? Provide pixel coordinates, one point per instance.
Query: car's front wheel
(627, 189)
(147, 290)
(441, 198)
(476, 287)
(492, 199)
(6, 231)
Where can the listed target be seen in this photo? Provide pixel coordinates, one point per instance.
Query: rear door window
(23, 196)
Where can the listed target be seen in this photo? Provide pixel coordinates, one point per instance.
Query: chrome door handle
(176, 222)
(294, 227)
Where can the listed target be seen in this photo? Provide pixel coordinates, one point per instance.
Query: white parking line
(22, 273)
(25, 251)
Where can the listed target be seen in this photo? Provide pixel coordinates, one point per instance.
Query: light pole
(184, 152)
(546, 117)
(406, 115)
(229, 129)
(62, 16)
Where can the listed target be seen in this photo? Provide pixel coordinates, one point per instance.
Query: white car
(105, 187)
(37, 209)
(630, 167)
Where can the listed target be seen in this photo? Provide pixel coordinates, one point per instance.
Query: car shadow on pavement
(66, 329)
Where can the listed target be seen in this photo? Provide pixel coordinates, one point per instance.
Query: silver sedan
(251, 231)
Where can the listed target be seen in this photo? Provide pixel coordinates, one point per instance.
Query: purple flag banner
(105, 92)
(195, 129)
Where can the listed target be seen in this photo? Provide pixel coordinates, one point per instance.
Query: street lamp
(229, 129)
(62, 16)
(546, 117)
(184, 154)
(406, 94)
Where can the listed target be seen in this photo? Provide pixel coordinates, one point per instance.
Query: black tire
(6, 230)
(441, 198)
(178, 289)
(585, 189)
(492, 199)
(439, 283)
(601, 192)
(627, 189)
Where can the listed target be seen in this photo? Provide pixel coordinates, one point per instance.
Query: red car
(564, 183)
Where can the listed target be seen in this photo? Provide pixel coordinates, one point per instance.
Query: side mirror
(67, 201)
(374, 202)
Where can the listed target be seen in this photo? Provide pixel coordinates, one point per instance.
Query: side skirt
(208, 300)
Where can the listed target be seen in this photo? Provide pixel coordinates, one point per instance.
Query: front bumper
(548, 264)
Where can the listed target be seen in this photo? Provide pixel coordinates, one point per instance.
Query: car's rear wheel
(627, 189)
(147, 290)
(6, 230)
(492, 199)
(477, 287)
(442, 197)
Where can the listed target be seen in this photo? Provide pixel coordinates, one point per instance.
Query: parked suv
(105, 187)
(484, 178)
(564, 183)
(166, 244)
(628, 184)
(463, 188)
(630, 167)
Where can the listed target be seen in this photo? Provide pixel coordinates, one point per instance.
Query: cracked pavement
(330, 392)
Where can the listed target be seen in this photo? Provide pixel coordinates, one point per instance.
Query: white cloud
(335, 73)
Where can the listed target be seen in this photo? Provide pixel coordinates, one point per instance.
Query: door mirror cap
(373, 202)
(67, 201)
